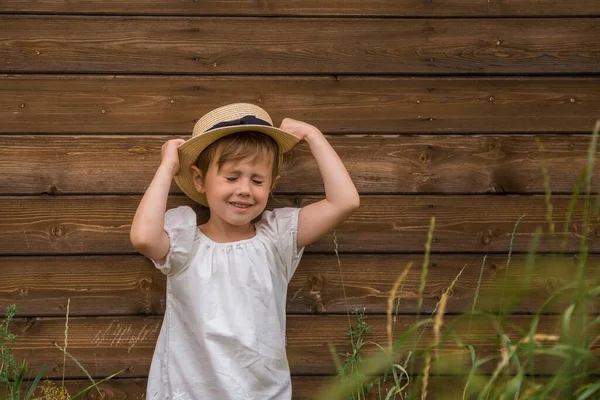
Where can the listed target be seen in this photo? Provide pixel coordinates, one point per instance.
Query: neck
(222, 232)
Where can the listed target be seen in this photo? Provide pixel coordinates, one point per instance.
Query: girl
(223, 333)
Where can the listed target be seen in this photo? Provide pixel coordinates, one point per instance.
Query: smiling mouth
(240, 205)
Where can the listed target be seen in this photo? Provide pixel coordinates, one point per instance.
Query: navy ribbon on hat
(247, 120)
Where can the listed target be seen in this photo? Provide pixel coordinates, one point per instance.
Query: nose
(243, 188)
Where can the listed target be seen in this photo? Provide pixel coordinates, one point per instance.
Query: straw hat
(221, 122)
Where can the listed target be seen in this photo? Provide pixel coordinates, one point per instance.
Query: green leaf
(19, 379)
(87, 389)
(588, 390)
(35, 383)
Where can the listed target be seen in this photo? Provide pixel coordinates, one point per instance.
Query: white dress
(223, 332)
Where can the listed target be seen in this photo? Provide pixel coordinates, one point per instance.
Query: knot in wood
(53, 189)
(316, 285)
(493, 145)
(424, 157)
(146, 285)
(485, 239)
(58, 231)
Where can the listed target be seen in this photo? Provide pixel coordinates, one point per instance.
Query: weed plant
(13, 380)
(568, 353)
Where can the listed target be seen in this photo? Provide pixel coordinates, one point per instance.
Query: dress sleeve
(281, 225)
(180, 226)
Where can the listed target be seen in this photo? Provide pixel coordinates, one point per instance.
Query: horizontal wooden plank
(303, 387)
(377, 165)
(101, 224)
(100, 44)
(170, 104)
(128, 285)
(385, 8)
(107, 345)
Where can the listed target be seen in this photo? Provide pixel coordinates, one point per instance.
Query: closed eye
(257, 182)
(230, 179)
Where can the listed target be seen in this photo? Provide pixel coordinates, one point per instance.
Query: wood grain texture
(385, 8)
(128, 285)
(181, 45)
(170, 104)
(383, 224)
(377, 165)
(105, 345)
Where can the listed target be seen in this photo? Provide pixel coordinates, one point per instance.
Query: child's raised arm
(341, 196)
(147, 230)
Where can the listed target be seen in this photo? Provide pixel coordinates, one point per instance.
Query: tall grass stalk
(13, 377)
(509, 372)
(547, 189)
(508, 259)
(425, 266)
(337, 256)
(66, 335)
(390, 305)
(476, 295)
(588, 189)
(571, 209)
(437, 326)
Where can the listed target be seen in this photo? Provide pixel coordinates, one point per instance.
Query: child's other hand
(300, 129)
(169, 156)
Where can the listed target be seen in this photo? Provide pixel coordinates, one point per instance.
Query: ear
(197, 178)
(275, 180)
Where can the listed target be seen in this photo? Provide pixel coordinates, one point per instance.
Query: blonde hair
(238, 146)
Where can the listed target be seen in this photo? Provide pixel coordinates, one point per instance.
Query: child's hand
(300, 129)
(169, 156)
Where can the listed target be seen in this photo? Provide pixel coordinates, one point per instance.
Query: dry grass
(573, 350)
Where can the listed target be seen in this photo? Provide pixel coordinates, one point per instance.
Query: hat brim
(191, 149)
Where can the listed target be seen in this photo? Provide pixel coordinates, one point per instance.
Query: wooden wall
(434, 106)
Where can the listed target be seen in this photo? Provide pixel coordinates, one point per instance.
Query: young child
(223, 333)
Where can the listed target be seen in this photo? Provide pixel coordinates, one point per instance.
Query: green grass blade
(476, 296)
(19, 379)
(95, 384)
(547, 188)
(510, 249)
(586, 217)
(588, 390)
(35, 383)
(571, 209)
